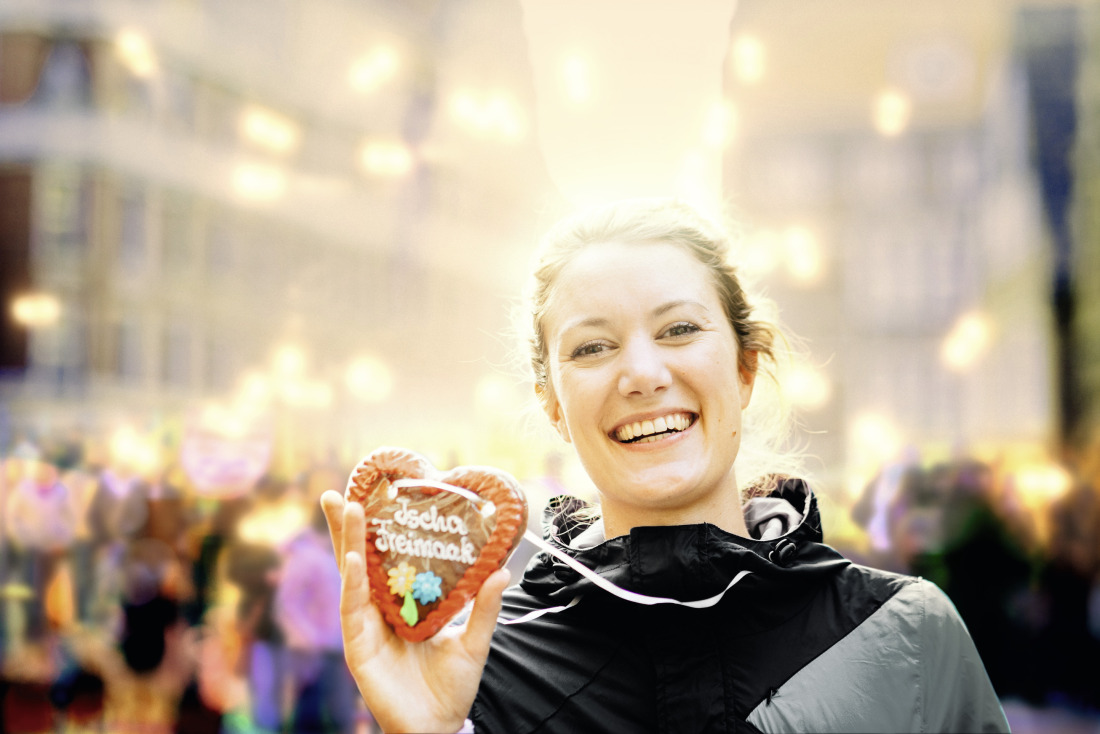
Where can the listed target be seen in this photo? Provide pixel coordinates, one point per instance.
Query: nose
(643, 369)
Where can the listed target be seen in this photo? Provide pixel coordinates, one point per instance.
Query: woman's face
(644, 381)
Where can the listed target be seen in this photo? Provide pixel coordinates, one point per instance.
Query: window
(66, 81)
(129, 358)
(176, 229)
(132, 230)
(176, 355)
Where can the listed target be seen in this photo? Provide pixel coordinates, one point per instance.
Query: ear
(552, 407)
(747, 373)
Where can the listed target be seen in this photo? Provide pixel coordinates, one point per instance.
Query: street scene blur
(244, 243)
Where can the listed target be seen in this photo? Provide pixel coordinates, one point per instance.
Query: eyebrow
(659, 311)
(664, 308)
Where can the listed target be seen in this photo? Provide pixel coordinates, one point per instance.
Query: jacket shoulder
(909, 666)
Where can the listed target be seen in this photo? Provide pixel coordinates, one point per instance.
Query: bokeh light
(748, 59)
(373, 70)
(136, 52)
(891, 113)
(369, 379)
(269, 130)
(967, 342)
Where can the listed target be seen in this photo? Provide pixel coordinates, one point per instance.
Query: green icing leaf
(408, 611)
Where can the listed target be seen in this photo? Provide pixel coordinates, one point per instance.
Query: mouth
(648, 431)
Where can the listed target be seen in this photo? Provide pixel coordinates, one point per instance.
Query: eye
(588, 349)
(680, 328)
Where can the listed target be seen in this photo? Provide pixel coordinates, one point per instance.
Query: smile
(653, 430)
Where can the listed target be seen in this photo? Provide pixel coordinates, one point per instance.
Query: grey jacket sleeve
(960, 697)
(909, 667)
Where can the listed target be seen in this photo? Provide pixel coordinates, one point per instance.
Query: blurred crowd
(132, 603)
(1024, 574)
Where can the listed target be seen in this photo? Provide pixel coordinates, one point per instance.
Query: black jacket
(806, 641)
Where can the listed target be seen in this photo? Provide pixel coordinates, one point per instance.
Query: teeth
(671, 422)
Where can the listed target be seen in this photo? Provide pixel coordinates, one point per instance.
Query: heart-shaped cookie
(432, 537)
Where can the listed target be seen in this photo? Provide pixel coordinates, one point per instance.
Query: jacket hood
(684, 562)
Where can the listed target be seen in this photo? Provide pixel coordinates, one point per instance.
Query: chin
(661, 493)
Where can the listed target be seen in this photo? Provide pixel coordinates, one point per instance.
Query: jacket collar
(685, 561)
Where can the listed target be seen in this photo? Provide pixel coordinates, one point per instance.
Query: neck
(619, 519)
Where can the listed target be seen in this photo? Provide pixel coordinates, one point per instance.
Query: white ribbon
(609, 587)
(486, 507)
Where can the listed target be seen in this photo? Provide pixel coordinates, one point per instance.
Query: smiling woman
(638, 316)
(636, 338)
(688, 602)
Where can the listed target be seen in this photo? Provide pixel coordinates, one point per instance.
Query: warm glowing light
(36, 310)
(273, 526)
(314, 394)
(803, 254)
(369, 379)
(373, 70)
(577, 79)
(225, 421)
(892, 111)
(875, 437)
(718, 126)
(307, 393)
(136, 53)
(269, 130)
(1042, 483)
(387, 158)
(807, 388)
(289, 360)
(748, 59)
(255, 390)
(259, 183)
(490, 115)
(132, 450)
(966, 343)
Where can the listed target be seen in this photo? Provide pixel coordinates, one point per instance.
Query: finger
(483, 617)
(354, 598)
(353, 527)
(333, 506)
(361, 621)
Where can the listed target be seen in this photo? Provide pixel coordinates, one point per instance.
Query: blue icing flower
(426, 587)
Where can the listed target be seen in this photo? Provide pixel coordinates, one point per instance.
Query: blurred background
(244, 243)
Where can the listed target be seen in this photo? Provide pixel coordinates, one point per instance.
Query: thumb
(483, 617)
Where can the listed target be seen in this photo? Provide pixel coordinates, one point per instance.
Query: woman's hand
(408, 686)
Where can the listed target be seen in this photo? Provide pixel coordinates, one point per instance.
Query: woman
(646, 353)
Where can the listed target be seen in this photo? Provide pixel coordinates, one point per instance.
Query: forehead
(609, 277)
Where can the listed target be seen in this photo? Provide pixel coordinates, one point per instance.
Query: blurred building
(896, 217)
(326, 209)
(1086, 226)
(278, 202)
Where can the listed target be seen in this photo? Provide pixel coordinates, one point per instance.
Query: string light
(387, 158)
(259, 183)
(373, 70)
(269, 130)
(748, 59)
(967, 342)
(892, 111)
(136, 53)
(36, 310)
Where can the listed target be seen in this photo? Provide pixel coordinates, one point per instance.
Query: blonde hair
(762, 345)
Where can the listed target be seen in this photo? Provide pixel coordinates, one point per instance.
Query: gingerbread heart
(432, 537)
